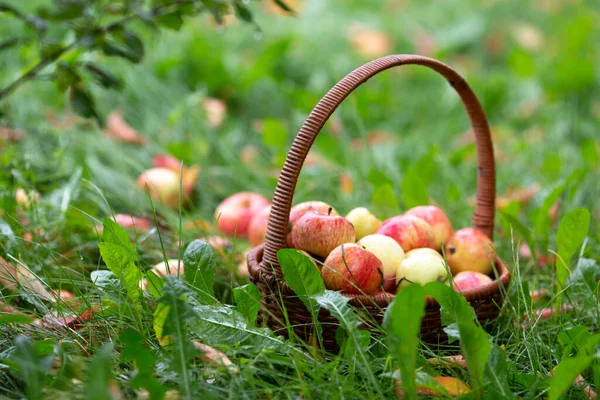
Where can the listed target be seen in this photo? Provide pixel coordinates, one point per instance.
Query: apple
(423, 250)
(364, 222)
(389, 252)
(453, 386)
(163, 185)
(319, 234)
(26, 199)
(300, 209)
(437, 219)
(421, 269)
(352, 269)
(257, 230)
(409, 231)
(470, 280)
(469, 249)
(234, 213)
(162, 269)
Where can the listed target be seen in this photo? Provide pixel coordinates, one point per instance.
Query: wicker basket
(265, 270)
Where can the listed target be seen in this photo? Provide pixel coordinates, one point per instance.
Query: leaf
(99, 376)
(474, 341)
(9, 43)
(572, 230)
(15, 276)
(416, 180)
(565, 374)
(274, 135)
(158, 322)
(378, 178)
(303, 277)
(248, 298)
(122, 264)
(172, 20)
(103, 77)
(242, 11)
(384, 200)
(589, 151)
(402, 321)
(15, 319)
(144, 360)
(83, 103)
(105, 280)
(497, 374)
(114, 233)
(284, 6)
(200, 264)
(523, 230)
(33, 368)
(124, 44)
(6, 233)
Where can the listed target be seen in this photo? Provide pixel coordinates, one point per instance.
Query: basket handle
(483, 218)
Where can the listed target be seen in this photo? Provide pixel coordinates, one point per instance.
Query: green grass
(544, 112)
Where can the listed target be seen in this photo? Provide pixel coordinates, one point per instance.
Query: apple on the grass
(352, 269)
(162, 269)
(163, 185)
(423, 250)
(365, 223)
(437, 219)
(319, 234)
(469, 249)
(469, 280)
(421, 269)
(300, 209)
(257, 230)
(409, 231)
(234, 213)
(389, 252)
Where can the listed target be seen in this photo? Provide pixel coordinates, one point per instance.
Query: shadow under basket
(485, 300)
(263, 265)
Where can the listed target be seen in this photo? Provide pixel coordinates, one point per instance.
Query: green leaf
(242, 11)
(83, 103)
(416, 181)
(144, 360)
(378, 178)
(15, 319)
(474, 341)
(33, 368)
(497, 375)
(122, 264)
(571, 233)
(9, 43)
(565, 374)
(200, 264)
(402, 321)
(103, 77)
(248, 298)
(116, 234)
(274, 135)
(124, 44)
(172, 20)
(158, 322)
(523, 230)
(303, 277)
(384, 200)
(99, 375)
(155, 284)
(284, 6)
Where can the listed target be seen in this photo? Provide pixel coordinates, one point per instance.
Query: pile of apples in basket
(360, 254)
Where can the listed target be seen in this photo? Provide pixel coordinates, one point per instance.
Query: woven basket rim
(382, 299)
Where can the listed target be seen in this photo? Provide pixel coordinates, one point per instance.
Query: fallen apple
(409, 231)
(437, 219)
(421, 269)
(469, 280)
(365, 223)
(257, 230)
(389, 252)
(469, 249)
(352, 269)
(319, 234)
(163, 185)
(234, 213)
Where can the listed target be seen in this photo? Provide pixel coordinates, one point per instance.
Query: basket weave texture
(263, 265)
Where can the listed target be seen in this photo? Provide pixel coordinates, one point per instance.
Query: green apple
(365, 223)
(389, 252)
(422, 269)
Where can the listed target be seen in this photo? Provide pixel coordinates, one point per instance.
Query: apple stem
(330, 210)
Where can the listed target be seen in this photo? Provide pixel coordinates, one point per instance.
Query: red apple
(437, 219)
(319, 234)
(234, 213)
(257, 230)
(470, 280)
(352, 269)
(469, 249)
(299, 210)
(409, 231)
(163, 185)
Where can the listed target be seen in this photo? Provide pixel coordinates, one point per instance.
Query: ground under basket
(265, 270)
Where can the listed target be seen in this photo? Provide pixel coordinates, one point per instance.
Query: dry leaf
(346, 183)
(215, 111)
(368, 42)
(15, 275)
(118, 129)
(211, 355)
(453, 386)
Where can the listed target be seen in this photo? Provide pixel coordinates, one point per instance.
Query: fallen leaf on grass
(118, 129)
(74, 321)
(453, 386)
(211, 355)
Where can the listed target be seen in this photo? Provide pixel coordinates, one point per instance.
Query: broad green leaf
(119, 260)
(384, 200)
(303, 277)
(248, 298)
(133, 350)
(116, 234)
(158, 322)
(103, 77)
(589, 152)
(571, 233)
(565, 374)
(402, 321)
(474, 341)
(416, 180)
(105, 280)
(200, 264)
(542, 222)
(100, 377)
(15, 319)
(83, 103)
(497, 375)
(32, 367)
(242, 11)
(155, 284)
(172, 20)
(378, 178)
